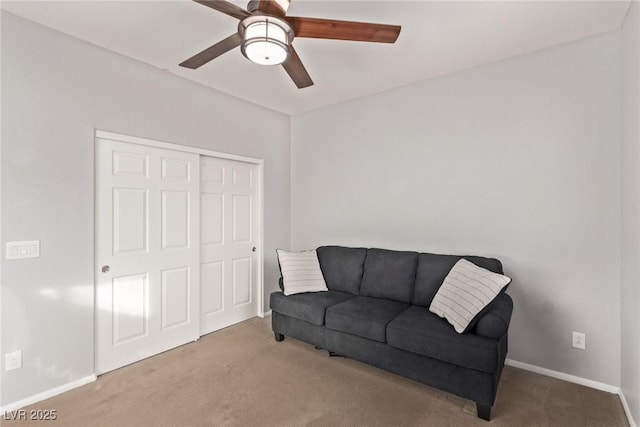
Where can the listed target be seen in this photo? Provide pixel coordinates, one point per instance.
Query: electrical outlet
(13, 360)
(579, 340)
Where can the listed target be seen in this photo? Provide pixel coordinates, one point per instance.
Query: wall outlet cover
(579, 340)
(13, 360)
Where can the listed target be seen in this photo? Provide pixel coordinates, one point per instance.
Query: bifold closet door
(229, 239)
(147, 251)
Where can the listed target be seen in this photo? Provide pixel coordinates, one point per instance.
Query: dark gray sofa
(376, 311)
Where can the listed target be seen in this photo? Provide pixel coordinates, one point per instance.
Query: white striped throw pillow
(465, 292)
(301, 272)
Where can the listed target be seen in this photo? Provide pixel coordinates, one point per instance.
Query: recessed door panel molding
(175, 219)
(176, 169)
(130, 220)
(212, 206)
(175, 297)
(242, 218)
(241, 281)
(212, 287)
(130, 164)
(130, 307)
(242, 176)
(212, 174)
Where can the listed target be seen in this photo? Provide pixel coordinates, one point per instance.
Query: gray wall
(519, 160)
(55, 91)
(630, 287)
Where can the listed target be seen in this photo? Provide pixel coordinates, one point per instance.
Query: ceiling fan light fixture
(265, 39)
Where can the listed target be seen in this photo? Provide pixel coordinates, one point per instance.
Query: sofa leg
(484, 412)
(279, 337)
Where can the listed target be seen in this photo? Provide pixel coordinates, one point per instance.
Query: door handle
(105, 268)
(253, 249)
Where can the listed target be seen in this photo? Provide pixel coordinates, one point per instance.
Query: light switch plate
(24, 249)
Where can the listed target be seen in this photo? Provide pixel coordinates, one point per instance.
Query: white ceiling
(437, 38)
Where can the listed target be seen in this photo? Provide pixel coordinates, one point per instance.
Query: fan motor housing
(244, 24)
(260, 32)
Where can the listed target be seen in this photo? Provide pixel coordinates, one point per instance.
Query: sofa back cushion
(433, 268)
(342, 267)
(389, 274)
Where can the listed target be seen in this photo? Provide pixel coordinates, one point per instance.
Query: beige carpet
(241, 377)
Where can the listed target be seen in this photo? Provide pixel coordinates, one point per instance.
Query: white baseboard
(577, 380)
(562, 376)
(626, 409)
(46, 394)
(265, 314)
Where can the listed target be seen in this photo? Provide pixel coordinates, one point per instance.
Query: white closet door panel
(213, 223)
(176, 303)
(130, 220)
(212, 290)
(176, 222)
(241, 281)
(130, 164)
(242, 218)
(178, 170)
(229, 194)
(130, 307)
(147, 202)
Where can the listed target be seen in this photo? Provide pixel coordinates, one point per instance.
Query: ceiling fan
(265, 34)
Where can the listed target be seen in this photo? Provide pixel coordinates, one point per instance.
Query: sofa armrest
(495, 322)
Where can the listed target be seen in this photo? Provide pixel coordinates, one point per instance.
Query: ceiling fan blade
(270, 7)
(343, 30)
(213, 52)
(225, 7)
(294, 67)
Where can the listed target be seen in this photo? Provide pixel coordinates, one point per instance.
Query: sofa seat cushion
(309, 306)
(364, 316)
(419, 331)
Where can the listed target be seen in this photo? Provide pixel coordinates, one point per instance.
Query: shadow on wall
(531, 313)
